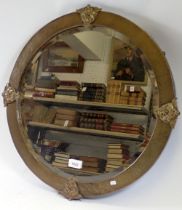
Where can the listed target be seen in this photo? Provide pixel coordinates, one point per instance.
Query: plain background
(161, 186)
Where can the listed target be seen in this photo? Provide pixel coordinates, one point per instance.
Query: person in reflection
(131, 67)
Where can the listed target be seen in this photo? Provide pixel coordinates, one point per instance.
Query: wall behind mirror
(159, 192)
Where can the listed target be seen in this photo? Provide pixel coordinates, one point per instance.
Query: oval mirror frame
(72, 187)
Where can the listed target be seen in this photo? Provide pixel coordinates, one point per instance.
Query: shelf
(93, 105)
(125, 136)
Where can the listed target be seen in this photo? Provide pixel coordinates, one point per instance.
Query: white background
(161, 186)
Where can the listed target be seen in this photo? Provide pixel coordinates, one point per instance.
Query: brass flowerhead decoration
(88, 14)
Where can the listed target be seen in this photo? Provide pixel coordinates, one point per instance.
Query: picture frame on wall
(60, 58)
(130, 66)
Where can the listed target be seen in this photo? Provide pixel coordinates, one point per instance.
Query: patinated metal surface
(168, 113)
(88, 14)
(96, 185)
(9, 95)
(70, 189)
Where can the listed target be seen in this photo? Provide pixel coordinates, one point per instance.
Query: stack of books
(95, 92)
(61, 159)
(43, 114)
(48, 148)
(117, 156)
(127, 128)
(91, 120)
(118, 93)
(114, 89)
(133, 95)
(68, 90)
(90, 165)
(93, 164)
(44, 92)
(45, 87)
(66, 117)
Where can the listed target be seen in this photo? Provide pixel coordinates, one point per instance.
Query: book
(65, 123)
(117, 162)
(96, 85)
(69, 83)
(62, 161)
(126, 128)
(59, 165)
(114, 89)
(59, 158)
(67, 92)
(133, 88)
(95, 120)
(115, 151)
(92, 92)
(48, 90)
(88, 159)
(39, 113)
(50, 115)
(62, 154)
(96, 115)
(66, 111)
(91, 164)
(126, 131)
(124, 125)
(43, 94)
(66, 117)
(68, 88)
(112, 166)
(114, 156)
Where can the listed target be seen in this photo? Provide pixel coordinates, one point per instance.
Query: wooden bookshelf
(93, 105)
(124, 136)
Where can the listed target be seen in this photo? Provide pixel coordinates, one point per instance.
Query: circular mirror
(92, 110)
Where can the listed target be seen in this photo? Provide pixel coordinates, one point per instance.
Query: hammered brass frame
(92, 187)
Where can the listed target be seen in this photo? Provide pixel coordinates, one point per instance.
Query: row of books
(127, 128)
(115, 92)
(118, 93)
(43, 114)
(54, 152)
(66, 117)
(68, 90)
(117, 156)
(95, 92)
(90, 120)
(45, 87)
(87, 164)
(99, 121)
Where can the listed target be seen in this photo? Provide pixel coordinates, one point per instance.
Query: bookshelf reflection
(88, 101)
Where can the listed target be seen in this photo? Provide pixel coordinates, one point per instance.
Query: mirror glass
(88, 101)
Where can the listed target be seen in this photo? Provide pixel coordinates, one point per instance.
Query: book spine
(43, 94)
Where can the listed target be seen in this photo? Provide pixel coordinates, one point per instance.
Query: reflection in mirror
(88, 102)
